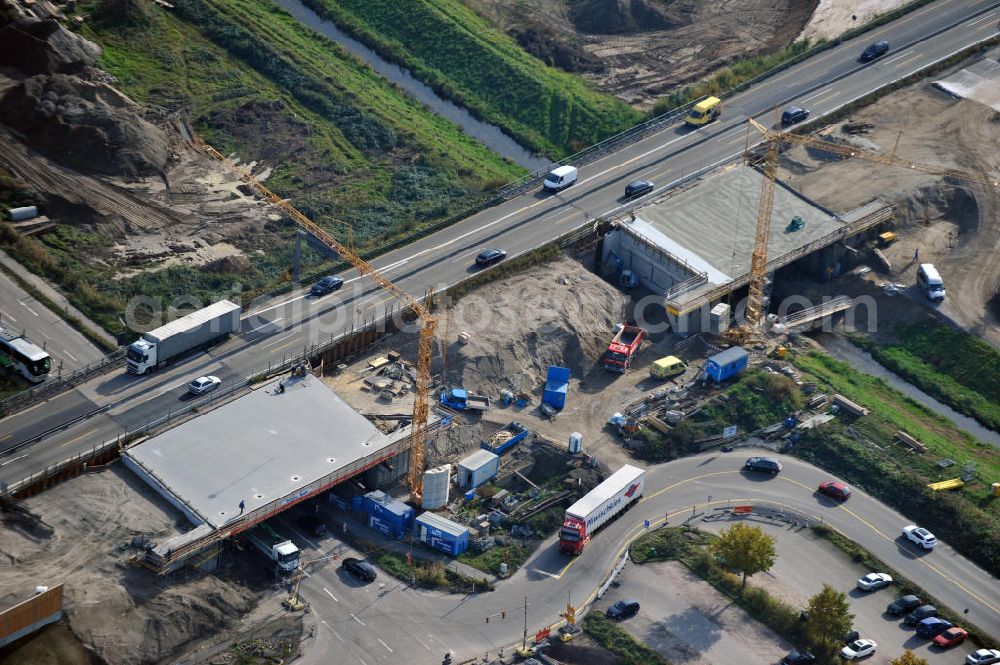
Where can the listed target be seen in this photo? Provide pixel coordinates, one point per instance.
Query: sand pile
(558, 314)
(38, 46)
(82, 536)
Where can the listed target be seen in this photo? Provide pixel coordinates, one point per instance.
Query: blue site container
(441, 534)
(357, 503)
(727, 364)
(556, 386)
(396, 515)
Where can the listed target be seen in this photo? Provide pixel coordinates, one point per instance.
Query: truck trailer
(196, 330)
(623, 348)
(278, 549)
(614, 496)
(463, 400)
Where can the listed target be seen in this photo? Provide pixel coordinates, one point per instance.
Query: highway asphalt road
(276, 329)
(21, 312)
(381, 624)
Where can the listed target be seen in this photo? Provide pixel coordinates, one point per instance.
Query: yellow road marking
(286, 344)
(5, 437)
(77, 438)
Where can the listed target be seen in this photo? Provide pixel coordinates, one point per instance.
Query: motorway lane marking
(421, 642)
(5, 437)
(29, 309)
(896, 57)
(362, 662)
(280, 339)
(907, 61)
(740, 136)
(14, 459)
(331, 595)
(77, 438)
(357, 619)
(447, 648)
(984, 19)
(5, 314)
(379, 303)
(385, 645)
(283, 346)
(821, 93)
(42, 333)
(72, 357)
(323, 621)
(269, 323)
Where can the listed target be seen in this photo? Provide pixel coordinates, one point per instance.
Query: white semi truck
(619, 492)
(275, 547)
(198, 329)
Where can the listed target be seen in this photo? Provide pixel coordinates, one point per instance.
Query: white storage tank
(478, 468)
(575, 443)
(719, 318)
(21, 214)
(436, 486)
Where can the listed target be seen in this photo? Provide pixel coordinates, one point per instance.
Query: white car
(203, 384)
(983, 657)
(858, 649)
(920, 536)
(873, 581)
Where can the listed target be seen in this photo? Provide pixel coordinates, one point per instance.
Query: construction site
(467, 441)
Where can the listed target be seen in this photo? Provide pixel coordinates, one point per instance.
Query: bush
(617, 641)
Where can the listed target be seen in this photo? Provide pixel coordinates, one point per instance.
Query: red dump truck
(614, 496)
(623, 348)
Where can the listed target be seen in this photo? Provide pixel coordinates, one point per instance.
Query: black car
(793, 114)
(360, 569)
(491, 257)
(765, 464)
(638, 188)
(623, 609)
(902, 605)
(919, 614)
(798, 658)
(312, 525)
(876, 50)
(328, 284)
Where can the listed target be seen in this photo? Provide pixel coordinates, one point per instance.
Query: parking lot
(694, 625)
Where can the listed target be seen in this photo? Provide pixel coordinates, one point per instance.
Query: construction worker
(242, 506)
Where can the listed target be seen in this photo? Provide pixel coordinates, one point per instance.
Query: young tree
(909, 658)
(744, 549)
(829, 616)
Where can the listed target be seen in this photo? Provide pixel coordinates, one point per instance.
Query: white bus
(20, 354)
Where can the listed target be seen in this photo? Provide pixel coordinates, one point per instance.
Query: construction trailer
(478, 468)
(441, 534)
(387, 515)
(727, 364)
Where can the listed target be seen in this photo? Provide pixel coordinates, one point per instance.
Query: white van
(930, 281)
(560, 178)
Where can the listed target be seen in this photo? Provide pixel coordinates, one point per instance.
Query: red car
(835, 490)
(951, 637)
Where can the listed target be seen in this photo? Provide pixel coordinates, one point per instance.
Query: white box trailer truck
(278, 549)
(619, 492)
(196, 330)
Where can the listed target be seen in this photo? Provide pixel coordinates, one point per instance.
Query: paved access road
(21, 312)
(275, 329)
(416, 624)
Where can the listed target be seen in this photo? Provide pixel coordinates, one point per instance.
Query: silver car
(203, 384)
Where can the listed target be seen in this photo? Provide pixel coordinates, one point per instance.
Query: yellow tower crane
(758, 261)
(418, 434)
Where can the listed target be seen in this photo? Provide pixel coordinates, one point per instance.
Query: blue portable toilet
(556, 386)
(727, 364)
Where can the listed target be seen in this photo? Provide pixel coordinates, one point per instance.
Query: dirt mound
(88, 126)
(238, 265)
(84, 539)
(611, 17)
(38, 46)
(560, 316)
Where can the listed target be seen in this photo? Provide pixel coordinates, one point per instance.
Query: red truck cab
(623, 348)
(572, 536)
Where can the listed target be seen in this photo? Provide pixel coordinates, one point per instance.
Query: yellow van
(704, 112)
(664, 368)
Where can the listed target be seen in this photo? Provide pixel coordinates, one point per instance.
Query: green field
(343, 142)
(462, 57)
(866, 454)
(952, 365)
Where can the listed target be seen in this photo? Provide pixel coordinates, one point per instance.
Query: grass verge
(953, 366)
(866, 454)
(862, 556)
(630, 650)
(456, 52)
(429, 574)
